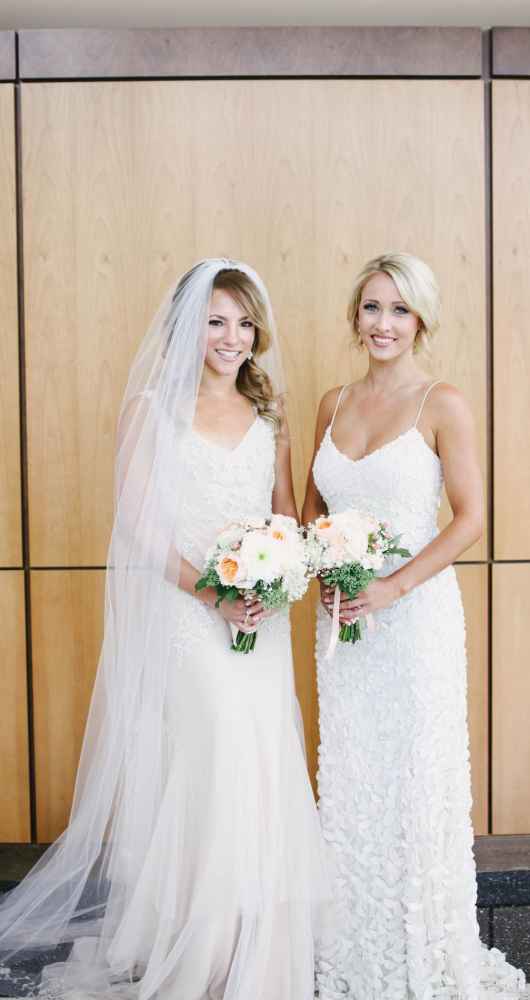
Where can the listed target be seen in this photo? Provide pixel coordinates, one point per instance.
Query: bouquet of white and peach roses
(345, 551)
(264, 558)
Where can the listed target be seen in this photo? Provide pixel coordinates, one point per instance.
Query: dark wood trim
(511, 51)
(7, 55)
(249, 52)
(502, 853)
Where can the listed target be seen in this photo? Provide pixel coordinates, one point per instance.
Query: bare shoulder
(328, 403)
(448, 407)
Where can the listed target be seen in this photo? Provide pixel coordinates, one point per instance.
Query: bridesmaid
(394, 778)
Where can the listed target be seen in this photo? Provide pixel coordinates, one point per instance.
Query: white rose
(259, 553)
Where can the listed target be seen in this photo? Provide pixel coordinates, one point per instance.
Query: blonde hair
(252, 381)
(417, 286)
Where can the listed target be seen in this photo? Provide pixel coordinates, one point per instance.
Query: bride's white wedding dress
(394, 777)
(227, 905)
(229, 896)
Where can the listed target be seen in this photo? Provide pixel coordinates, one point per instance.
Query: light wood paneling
(67, 616)
(511, 698)
(473, 582)
(127, 184)
(14, 777)
(10, 530)
(511, 234)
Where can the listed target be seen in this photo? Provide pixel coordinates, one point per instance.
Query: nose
(231, 332)
(384, 323)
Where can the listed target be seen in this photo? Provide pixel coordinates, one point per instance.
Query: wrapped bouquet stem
(346, 551)
(264, 559)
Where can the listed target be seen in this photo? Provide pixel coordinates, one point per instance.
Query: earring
(250, 356)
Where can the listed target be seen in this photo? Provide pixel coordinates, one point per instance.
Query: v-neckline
(222, 447)
(383, 447)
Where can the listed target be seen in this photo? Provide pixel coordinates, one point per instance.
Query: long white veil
(82, 885)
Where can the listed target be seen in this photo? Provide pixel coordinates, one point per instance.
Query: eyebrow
(222, 316)
(395, 302)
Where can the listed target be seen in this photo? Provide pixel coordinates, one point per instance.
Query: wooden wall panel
(511, 698)
(511, 358)
(14, 776)
(67, 616)
(126, 184)
(10, 525)
(473, 582)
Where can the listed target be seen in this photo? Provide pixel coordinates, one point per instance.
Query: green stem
(350, 632)
(244, 642)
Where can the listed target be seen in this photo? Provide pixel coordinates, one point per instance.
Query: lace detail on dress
(394, 776)
(224, 485)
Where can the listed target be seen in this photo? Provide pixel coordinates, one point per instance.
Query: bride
(192, 866)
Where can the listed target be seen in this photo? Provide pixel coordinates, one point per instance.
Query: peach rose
(228, 569)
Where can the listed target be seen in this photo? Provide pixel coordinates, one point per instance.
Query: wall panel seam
(24, 455)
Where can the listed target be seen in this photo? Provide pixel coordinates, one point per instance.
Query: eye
(402, 310)
(215, 322)
(247, 323)
(370, 306)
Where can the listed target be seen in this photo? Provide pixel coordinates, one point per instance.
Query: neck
(221, 386)
(389, 376)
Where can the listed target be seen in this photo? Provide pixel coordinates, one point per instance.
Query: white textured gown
(394, 776)
(231, 893)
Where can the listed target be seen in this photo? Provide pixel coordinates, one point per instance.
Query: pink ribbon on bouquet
(335, 625)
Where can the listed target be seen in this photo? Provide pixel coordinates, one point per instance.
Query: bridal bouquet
(267, 558)
(346, 550)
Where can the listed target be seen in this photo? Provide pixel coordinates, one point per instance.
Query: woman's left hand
(379, 594)
(256, 612)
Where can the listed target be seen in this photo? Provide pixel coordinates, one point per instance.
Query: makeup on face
(387, 326)
(230, 334)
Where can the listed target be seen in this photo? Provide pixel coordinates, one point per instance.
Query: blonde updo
(416, 285)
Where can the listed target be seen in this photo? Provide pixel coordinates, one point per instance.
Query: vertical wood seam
(24, 445)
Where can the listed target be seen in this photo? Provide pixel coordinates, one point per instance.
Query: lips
(382, 341)
(227, 355)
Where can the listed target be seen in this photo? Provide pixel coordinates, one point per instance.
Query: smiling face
(386, 325)
(230, 335)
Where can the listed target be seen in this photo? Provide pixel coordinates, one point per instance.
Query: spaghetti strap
(420, 411)
(337, 404)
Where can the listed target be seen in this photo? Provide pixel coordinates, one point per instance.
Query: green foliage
(271, 595)
(211, 579)
(350, 579)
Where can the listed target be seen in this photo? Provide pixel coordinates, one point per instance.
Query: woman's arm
(455, 437)
(314, 505)
(452, 423)
(283, 500)
(243, 614)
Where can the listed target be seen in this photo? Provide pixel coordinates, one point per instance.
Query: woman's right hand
(241, 613)
(327, 596)
(348, 610)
